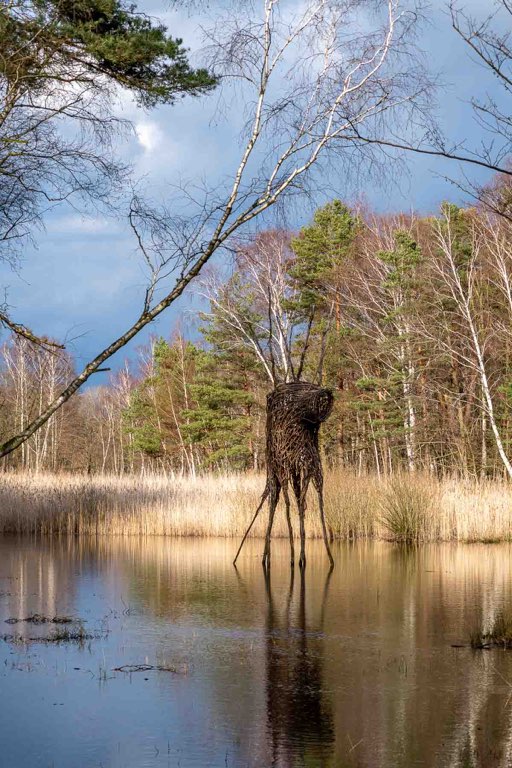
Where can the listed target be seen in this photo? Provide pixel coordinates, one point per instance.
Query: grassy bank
(408, 508)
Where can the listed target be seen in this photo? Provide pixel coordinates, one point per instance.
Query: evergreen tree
(220, 424)
(156, 417)
(140, 423)
(47, 39)
(320, 248)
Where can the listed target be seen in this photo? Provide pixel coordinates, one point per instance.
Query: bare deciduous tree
(309, 80)
(62, 67)
(33, 375)
(378, 294)
(460, 276)
(255, 308)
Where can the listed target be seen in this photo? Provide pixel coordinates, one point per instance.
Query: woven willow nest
(295, 412)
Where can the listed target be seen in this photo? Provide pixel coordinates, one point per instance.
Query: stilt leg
(302, 558)
(274, 498)
(319, 490)
(300, 490)
(265, 494)
(288, 520)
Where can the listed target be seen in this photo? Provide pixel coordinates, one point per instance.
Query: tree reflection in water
(352, 672)
(299, 716)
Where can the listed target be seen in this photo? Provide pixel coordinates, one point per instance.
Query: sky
(84, 281)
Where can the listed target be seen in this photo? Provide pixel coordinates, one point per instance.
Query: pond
(174, 658)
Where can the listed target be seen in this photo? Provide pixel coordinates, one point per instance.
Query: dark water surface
(355, 670)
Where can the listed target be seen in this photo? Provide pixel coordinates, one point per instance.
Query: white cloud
(149, 134)
(85, 225)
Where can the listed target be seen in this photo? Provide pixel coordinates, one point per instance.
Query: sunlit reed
(417, 507)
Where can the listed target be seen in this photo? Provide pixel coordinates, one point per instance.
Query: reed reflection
(36, 579)
(357, 670)
(299, 716)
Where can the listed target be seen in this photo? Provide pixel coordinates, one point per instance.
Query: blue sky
(84, 282)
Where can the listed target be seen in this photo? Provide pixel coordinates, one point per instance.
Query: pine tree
(141, 423)
(220, 424)
(320, 248)
(44, 39)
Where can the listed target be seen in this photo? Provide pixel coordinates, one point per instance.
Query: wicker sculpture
(294, 414)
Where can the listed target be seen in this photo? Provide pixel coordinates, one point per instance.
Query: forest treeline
(408, 319)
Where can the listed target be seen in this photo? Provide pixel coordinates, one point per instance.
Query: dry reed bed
(413, 508)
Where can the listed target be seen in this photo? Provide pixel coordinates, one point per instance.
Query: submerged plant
(76, 634)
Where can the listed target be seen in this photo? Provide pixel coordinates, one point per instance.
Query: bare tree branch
(307, 80)
(26, 333)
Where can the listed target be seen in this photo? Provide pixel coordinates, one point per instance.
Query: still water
(353, 670)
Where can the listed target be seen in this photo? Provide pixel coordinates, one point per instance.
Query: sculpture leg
(300, 497)
(302, 558)
(274, 498)
(302, 516)
(288, 520)
(319, 490)
(262, 501)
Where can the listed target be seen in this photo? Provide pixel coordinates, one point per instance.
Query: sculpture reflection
(356, 671)
(299, 717)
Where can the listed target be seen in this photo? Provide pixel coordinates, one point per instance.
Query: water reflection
(357, 669)
(299, 717)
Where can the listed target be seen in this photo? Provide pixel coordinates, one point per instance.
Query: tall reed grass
(407, 508)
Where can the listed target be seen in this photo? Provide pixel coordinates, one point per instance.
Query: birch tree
(459, 271)
(307, 78)
(33, 374)
(255, 309)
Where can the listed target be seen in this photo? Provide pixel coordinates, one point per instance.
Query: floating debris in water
(129, 668)
(62, 634)
(38, 618)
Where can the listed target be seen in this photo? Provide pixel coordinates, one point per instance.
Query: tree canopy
(71, 41)
(62, 66)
